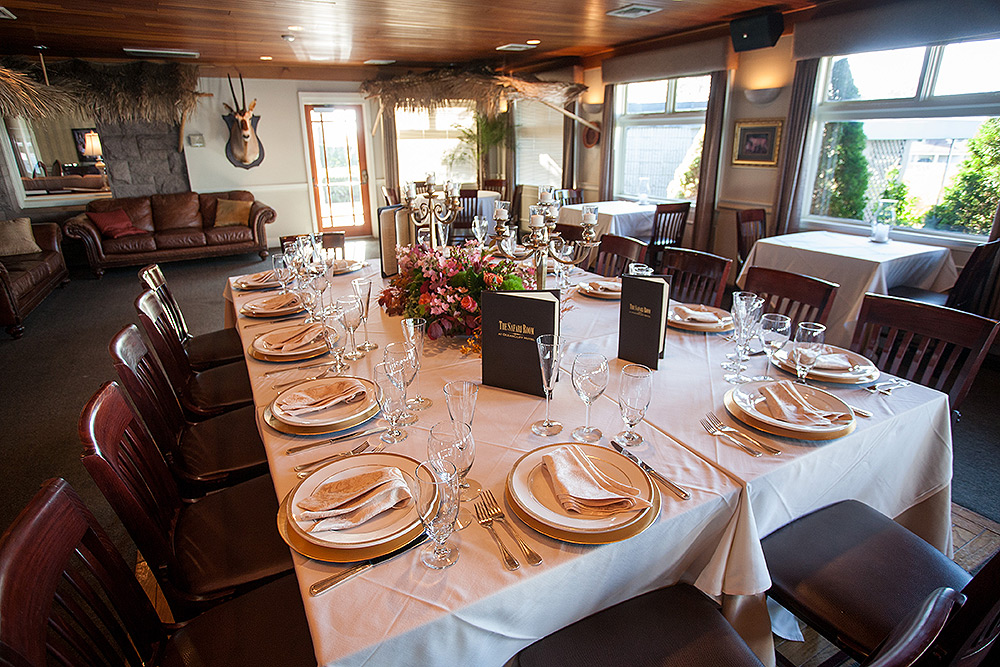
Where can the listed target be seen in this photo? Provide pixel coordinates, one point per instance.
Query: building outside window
(917, 129)
(430, 141)
(659, 131)
(538, 140)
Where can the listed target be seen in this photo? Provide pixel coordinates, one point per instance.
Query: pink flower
(468, 303)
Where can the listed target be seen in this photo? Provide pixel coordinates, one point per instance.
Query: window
(659, 129)
(919, 127)
(430, 141)
(538, 138)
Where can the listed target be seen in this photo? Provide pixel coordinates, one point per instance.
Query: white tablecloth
(622, 218)
(478, 613)
(857, 265)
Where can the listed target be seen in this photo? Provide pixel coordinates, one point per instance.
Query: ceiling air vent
(6, 14)
(515, 47)
(160, 53)
(633, 11)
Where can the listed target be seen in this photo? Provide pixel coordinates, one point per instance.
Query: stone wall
(143, 158)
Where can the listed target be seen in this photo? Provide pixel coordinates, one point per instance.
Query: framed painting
(756, 142)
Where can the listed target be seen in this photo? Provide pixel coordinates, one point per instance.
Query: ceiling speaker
(756, 31)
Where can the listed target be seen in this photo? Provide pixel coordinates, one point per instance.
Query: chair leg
(16, 330)
(263, 255)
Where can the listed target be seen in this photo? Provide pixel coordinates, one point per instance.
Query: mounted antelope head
(244, 148)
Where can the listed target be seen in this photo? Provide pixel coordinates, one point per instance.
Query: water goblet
(747, 308)
(590, 379)
(437, 507)
(332, 338)
(549, 355)
(414, 330)
(312, 300)
(634, 392)
(391, 397)
(807, 347)
(453, 441)
(349, 311)
(460, 395)
(480, 227)
(282, 271)
(773, 332)
(363, 290)
(404, 354)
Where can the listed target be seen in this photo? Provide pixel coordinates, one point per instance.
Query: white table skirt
(857, 265)
(621, 218)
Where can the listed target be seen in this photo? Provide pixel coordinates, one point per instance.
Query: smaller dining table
(857, 265)
(621, 218)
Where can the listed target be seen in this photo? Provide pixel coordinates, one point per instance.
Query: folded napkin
(606, 286)
(830, 359)
(696, 313)
(784, 401)
(341, 264)
(276, 302)
(296, 338)
(261, 278)
(351, 501)
(316, 397)
(582, 488)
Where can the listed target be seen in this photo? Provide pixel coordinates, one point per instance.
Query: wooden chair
(851, 573)
(391, 196)
(69, 598)
(203, 456)
(515, 205)
(202, 393)
(695, 277)
(289, 239)
(215, 348)
(936, 346)
(461, 227)
(200, 552)
(617, 252)
(496, 185)
(337, 242)
(802, 298)
(421, 187)
(569, 195)
(751, 226)
(569, 232)
(668, 229)
(977, 289)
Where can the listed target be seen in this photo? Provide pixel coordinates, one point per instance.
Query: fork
(495, 512)
(486, 522)
(717, 423)
(315, 377)
(885, 388)
(707, 425)
(306, 467)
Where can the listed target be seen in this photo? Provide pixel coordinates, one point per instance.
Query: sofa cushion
(129, 244)
(179, 210)
(229, 212)
(226, 235)
(209, 202)
(138, 208)
(16, 237)
(114, 224)
(179, 238)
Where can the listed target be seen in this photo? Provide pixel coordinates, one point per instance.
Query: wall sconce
(762, 95)
(592, 107)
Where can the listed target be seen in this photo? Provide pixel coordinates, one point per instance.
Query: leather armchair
(25, 280)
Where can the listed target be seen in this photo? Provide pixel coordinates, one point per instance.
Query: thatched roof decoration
(21, 95)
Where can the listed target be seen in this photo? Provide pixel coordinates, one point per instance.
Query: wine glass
(311, 299)
(282, 271)
(480, 227)
(391, 397)
(773, 332)
(590, 379)
(808, 346)
(453, 441)
(403, 353)
(747, 308)
(414, 329)
(549, 355)
(437, 507)
(330, 335)
(634, 392)
(363, 290)
(349, 311)
(461, 395)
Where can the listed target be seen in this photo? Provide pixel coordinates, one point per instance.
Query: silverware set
(486, 522)
(287, 318)
(278, 371)
(713, 429)
(886, 388)
(675, 488)
(495, 512)
(318, 376)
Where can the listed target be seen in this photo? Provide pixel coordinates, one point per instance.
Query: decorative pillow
(114, 224)
(229, 213)
(16, 238)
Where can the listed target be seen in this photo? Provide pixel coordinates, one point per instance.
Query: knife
(328, 441)
(680, 491)
(324, 585)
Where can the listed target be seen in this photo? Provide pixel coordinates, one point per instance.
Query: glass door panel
(339, 173)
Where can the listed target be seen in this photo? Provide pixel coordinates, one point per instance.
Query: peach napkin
(606, 286)
(830, 359)
(294, 338)
(259, 279)
(316, 397)
(784, 401)
(582, 488)
(351, 501)
(272, 303)
(696, 313)
(341, 264)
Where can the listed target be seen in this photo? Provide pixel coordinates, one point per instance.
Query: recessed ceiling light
(266, 58)
(6, 14)
(160, 53)
(376, 61)
(515, 47)
(533, 42)
(296, 28)
(633, 11)
(288, 38)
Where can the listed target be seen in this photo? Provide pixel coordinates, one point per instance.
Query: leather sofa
(175, 226)
(25, 280)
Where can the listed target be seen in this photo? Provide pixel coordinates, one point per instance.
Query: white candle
(546, 196)
(501, 214)
(411, 189)
(590, 218)
(537, 221)
(431, 179)
(881, 233)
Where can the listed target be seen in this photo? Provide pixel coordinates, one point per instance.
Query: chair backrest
(496, 185)
(970, 637)
(668, 224)
(152, 278)
(391, 196)
(936, 346)
(421, 187)
(570, 195)
(66, 594)
(695, 277)
(469, 201)
(802, 298)
(751, 226)
(167, 348)
(336, 241)
(913, 638)
(127, 467)
(569, 232)
(616, 252)
(976, 290)
(515, 204)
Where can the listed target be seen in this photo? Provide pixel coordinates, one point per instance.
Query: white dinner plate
(592, 288)
(867, 371)
(531, 490)
(332, 415)
(255, 307)
(382, 527)
(674, 320)
(748, 398)
(252, 282)
(264, 342)
(349, 267)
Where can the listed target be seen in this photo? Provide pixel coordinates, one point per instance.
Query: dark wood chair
(936, 346)
(202, 393)
(69, 598)
(207, 350)
(289, 239)
(200, 552)
(977, 289)
(421, 187)
(496, 185)
(851, 573)
(617, 252)
(390, 195)
(461, 227)
(668, 229)
(569, 195)
(203, 456)
(695, 277)
(515, 205)
(569, 232)
(751, 226)
(802, 298)
(337, 242)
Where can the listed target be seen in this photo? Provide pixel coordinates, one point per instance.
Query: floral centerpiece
(443, 286)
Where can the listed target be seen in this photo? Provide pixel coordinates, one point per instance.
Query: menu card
(511, 323)
(642, 322)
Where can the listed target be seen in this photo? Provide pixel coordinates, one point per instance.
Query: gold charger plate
(350, 268)
(585, 289)
(742, 415)
(260, 356)
(726, 323)
(296, 307)
(291, 429)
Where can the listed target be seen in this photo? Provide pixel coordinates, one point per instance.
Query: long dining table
(476, 612)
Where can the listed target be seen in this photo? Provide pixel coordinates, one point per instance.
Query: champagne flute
(590, 379)
(808, 346)
(549, 355)
(437, 507)
(453, 441)
(461, 395)
(391, 397)
(414, 329)
(363, 290)
(404, 354)
(349, 310)
(773, 332)
(634, 392)
(282, 271)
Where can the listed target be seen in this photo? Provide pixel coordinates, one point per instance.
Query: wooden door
(339, 168)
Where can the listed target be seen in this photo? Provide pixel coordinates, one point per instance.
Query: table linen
(621, 218)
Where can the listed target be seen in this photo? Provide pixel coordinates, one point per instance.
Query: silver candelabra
(439, 207)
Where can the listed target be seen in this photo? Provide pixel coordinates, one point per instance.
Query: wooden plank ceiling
(346, 33)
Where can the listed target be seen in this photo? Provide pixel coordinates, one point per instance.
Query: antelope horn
(243, 90)
(233, 90)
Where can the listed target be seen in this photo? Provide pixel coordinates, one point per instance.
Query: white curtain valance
(690, 59)
(895, 26)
